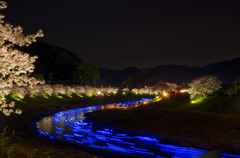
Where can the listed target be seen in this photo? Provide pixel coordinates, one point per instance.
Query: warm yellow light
(145, 102)
(165, 94)
(184, 90)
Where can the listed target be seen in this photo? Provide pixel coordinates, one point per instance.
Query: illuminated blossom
(135, 90)
(89, 90)
(15, 66)
(36, 91)
(204, 86)
(79, 89)
(59, 89)
(47, 89)
(70, 90)
(18, 111)
(11, 104)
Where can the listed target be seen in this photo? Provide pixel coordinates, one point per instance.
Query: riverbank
(213, 124)
(27, 142)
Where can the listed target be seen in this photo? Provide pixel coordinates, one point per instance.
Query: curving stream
(71, 126)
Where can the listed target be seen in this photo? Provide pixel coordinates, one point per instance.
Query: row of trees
(47, 90)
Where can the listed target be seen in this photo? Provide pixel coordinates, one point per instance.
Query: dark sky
(143, 33)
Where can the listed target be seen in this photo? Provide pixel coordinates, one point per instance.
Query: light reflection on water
(71, 126)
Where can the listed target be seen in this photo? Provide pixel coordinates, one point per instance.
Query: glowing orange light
(165, 94)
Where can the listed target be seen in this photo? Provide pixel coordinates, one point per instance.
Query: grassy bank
(26, 141)
(213, 123)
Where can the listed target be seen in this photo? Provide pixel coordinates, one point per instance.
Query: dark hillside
(226, 71)
(115, 77)
(60, 65)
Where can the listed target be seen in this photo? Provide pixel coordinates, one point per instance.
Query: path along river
(71, 126)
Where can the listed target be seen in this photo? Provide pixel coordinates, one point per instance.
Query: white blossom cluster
(148, 90)
(108, 90)
(15, 66)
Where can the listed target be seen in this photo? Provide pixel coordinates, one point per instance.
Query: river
(70, 126)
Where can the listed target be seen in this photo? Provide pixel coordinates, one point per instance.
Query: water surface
(71, 126)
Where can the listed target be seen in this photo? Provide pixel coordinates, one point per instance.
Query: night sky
(142, 33)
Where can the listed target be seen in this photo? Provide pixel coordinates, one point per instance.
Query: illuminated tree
(47, 89)
(70, 90)
(79, 89)
(59, 89)
(15, 66)
(203, 86)
(135, 90)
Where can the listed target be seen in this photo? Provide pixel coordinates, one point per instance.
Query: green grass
(218, 104)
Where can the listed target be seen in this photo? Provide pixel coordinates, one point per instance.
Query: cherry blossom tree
(15, 66)
(204, 86)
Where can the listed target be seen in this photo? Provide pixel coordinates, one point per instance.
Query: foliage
(86, 74)
(234, 89)
(203, 86)
(6, 151)
(16, 66)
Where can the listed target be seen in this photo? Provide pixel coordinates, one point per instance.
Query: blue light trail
(71, 126)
